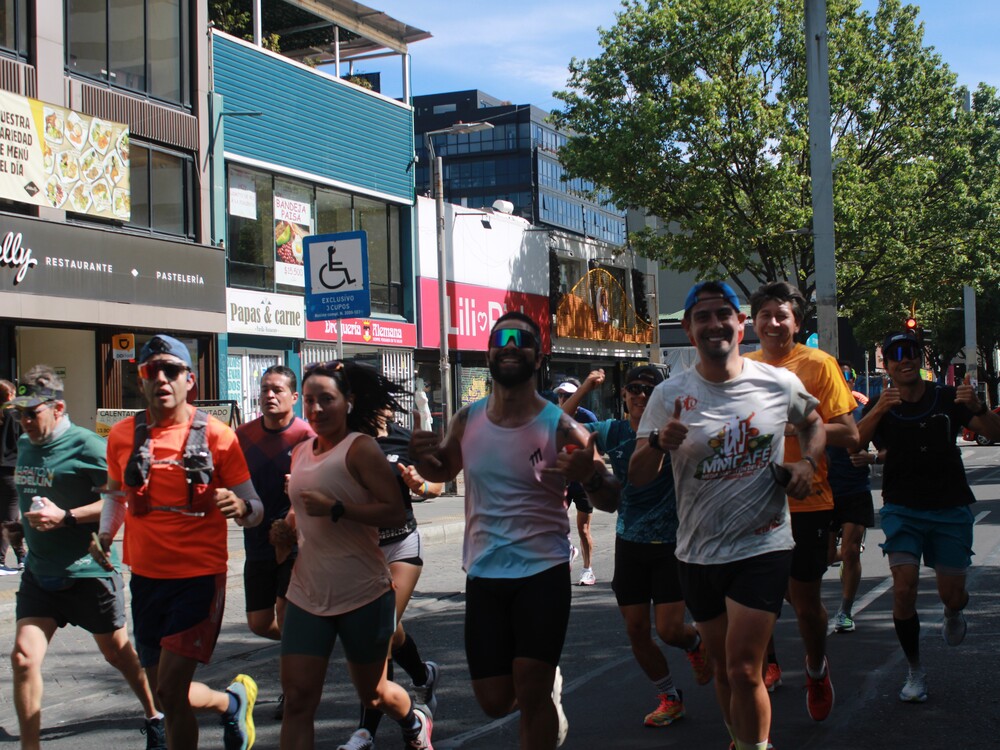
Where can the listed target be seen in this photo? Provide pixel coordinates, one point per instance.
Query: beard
(508, 378)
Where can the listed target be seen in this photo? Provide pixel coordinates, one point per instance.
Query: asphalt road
(87, 705)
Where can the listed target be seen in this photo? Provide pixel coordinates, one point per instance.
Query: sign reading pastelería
(53, 156)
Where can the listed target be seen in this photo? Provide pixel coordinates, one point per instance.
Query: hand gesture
(576, 464)
(800, 485)
(425, 446)
(100, 546)
(231, 505)
(596, 377)
(965, 394)
(410, 476)
(316, 503)
(675, 431)
(890, 396)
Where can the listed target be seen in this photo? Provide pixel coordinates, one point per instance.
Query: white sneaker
(557, 685)
(426, 694)
(587, 578)
(423, 740)
(915, 688)
(360, 740)
(954, 627)
(573, 554)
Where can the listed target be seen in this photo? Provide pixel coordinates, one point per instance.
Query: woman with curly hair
(342, 490)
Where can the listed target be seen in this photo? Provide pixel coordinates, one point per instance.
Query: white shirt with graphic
(728, 504)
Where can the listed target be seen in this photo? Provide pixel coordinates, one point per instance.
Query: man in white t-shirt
(723, 421)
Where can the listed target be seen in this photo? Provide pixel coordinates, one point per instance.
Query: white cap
(567, 388)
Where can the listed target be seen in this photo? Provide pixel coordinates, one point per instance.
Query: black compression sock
(408, 657)
(908, 633)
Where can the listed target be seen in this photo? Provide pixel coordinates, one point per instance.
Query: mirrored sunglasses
(503, 336)
(172, 370)
(899, 352)
(640, 389)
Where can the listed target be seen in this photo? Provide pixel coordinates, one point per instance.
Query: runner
(13, 533)
(925, 494)
(342, 491)
(512, 446)
(723, 423)
(645, 544)
(175, 475)
(574, 490)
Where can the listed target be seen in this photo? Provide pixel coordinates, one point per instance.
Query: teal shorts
(942, 537)
(365, 631)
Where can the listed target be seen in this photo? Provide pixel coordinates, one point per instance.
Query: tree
(697, 111)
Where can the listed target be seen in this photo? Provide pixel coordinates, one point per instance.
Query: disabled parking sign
(336, 271)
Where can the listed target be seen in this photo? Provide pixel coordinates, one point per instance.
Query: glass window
(162, 191)
(137, 45)
(139, 181)
(87, 48)
(333, 212)
(251, 240)
(373, 218)
(14, 26)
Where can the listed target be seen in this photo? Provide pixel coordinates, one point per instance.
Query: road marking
(460, 740)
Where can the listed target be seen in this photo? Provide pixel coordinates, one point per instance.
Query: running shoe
(573, 554)
(819, 694)
(842, 623)
(954, 627)
(360, 740)
(156, 734)
(667, 712)
(237, 729)
(279, 710)
(587, 578)
(425, 695)
(915, 688)
(772, 677)
(557, 685)
(423, 739)
(700, 665)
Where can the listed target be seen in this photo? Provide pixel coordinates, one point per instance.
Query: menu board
(292, 222)
(53, 156)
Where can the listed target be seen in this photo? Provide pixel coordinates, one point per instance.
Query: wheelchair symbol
(334, 267)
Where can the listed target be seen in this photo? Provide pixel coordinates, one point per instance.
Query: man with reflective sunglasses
(60, 467)
(926, 497)
(645, 550)
(517, 451)
(176, 540)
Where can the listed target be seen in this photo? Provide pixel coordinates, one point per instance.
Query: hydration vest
(196, 462)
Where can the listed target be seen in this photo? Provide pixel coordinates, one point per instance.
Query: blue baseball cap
(713, 288)
(163, 344)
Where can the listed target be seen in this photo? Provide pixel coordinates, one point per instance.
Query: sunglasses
(172, 370)
(522, 339)
(899, 352)
(639, 389)
(32, 414)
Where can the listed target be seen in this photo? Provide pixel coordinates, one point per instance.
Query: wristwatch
(654, 440)
(811, 461)
(336, 511)
(69, 519)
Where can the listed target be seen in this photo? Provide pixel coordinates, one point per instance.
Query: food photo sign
(53, 156)
(292, 222)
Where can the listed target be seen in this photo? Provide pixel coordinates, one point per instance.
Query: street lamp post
(437, 183)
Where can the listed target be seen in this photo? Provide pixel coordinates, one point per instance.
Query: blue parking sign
(336, 276)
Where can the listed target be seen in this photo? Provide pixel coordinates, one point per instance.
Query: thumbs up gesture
(574, 462)
(675, 431)
(965, 394)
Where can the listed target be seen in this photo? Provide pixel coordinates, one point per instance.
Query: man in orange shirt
(175, 475)
(777, 310)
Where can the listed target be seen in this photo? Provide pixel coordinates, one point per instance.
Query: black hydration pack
(197, 464)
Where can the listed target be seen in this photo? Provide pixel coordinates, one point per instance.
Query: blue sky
(519, 50)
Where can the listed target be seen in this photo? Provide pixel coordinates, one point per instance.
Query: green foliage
(697, 111)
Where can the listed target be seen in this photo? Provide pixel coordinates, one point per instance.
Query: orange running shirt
(164, 544)
(823, 378)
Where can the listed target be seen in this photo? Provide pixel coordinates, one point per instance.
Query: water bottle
(36, 503)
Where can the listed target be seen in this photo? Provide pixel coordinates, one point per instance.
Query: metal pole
(971, 356)
(821, 172)
(442, 251)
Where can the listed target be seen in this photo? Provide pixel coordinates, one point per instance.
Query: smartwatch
(654, 440)
(336, 511)
(69, 520)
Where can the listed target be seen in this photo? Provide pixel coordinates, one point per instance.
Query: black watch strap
(654, 440)
(69, 519)
(336, 511)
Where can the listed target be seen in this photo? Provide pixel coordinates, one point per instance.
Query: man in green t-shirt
(59, 469)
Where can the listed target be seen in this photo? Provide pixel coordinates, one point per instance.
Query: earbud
(350, 406)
